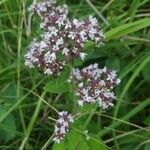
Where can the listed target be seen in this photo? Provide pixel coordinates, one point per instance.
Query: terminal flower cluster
(62, 126)
(95, 85)
(63, 38)
(61, 42)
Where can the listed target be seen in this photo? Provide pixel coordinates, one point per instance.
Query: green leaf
(133, 8)
(65, 73)
(147, 146)
(78, 62)
(134, 138)
(60, 85)
(8, 126)
(146, 72)
(60, 146)
(113, 63)
(83, 145)
(87, 108)
(73, 139)
(127, 28)
(9, 93)
(130, 146)
(96, 144)
(147, 121)
(89, 50)
(126, 117)
(56, 87)
(3, 1)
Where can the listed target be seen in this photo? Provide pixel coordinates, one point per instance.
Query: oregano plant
(56, 51)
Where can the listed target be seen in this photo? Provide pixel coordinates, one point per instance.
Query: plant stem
(97, 12)
(46, 144)
(18, 67)
(32, 122)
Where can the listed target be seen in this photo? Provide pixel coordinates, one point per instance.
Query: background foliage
(25, 105)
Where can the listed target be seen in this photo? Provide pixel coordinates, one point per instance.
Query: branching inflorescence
(62, 125)
(95, 85)
(63, 41)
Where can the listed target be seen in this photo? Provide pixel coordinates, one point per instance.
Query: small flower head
(62, 126)
(39, 55)
(63, 39)
(95, 85)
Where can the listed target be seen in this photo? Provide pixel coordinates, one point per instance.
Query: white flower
(52, 30)
(55, 48)
(41, 7)
(42, 25)
(104, 70)
(65, 51)
(80, 84)
(80, 102)
(85, 91)
(92, 33)
(83, 35)
(48, 71)
(72, 35)
(61, 20)
(68, 24)
(62, 126)
(60, 41)
(29, 63)
(70, 118)
(102, 83)
(77, 23)
(62, 113)
(49, 57)
(76, 73)
(93, 20)
(118, 81)
(63, 130)
(82, 55)
(31, 8)
(86, 134)
(43, 45)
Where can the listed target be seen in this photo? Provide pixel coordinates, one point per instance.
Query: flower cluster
(63, 39)
(62, 126)
(61, 42)
(95, 85)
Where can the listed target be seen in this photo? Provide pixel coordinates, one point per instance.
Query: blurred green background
(126, 24)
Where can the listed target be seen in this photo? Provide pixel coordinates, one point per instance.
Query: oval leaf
(56, 87)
